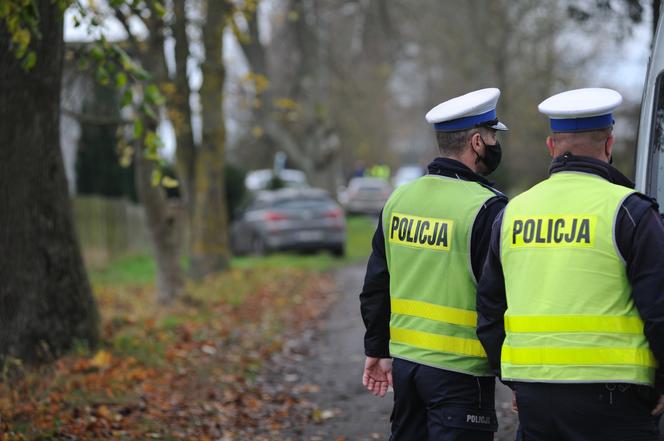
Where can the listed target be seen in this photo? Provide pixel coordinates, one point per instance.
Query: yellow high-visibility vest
(427, 225)
(570, 315)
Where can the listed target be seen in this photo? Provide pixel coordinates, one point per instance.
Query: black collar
(585, 164)
(455, 169)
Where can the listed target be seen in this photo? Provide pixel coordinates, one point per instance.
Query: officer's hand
(377, 375)
(515, 407)
(660, 406)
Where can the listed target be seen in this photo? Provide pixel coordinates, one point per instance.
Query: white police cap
(474, 109)
(581, 110)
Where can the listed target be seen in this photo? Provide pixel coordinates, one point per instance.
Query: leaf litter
(191, 371)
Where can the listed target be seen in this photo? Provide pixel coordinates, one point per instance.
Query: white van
(649, 176)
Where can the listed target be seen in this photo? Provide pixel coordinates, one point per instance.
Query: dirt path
(327, 366)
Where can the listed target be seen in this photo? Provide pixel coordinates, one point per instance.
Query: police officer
(418, 299)
(571, 300)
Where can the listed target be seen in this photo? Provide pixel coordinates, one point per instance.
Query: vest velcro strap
(578, 356)
(436, 342)
(444, 314)
(580, 323)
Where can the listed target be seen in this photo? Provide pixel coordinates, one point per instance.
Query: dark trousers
(586, 412)
(435, 404)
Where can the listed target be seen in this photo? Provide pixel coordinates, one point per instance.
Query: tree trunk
(163, 220)
(209, 223)
(46, 303)
(163, 217)
(180, 109)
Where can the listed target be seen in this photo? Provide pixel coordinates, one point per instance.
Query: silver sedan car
(365, 195)
(305, 219)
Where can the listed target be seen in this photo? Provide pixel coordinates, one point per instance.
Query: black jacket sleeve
(640, 240)
(481, 233)
(375, 299)
(491, 301)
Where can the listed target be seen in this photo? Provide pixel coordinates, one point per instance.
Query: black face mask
(492, 156)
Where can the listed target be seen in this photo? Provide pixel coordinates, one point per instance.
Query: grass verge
(141, 269)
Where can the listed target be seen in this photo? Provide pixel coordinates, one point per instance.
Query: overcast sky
(625, 68)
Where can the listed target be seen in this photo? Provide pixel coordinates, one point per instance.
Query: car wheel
(258, 245)
(338, 251)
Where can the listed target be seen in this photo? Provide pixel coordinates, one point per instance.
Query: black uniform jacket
(639, 233)
(375, 296)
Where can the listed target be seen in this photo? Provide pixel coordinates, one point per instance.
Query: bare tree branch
(123, 19)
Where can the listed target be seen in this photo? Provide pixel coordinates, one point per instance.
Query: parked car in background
(406, 174)
(365, 195)
(257, 180)
(305, 219)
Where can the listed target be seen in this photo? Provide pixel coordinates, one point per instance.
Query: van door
(649, 173)
(649, 176)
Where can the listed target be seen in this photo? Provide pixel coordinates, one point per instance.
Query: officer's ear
(550, 144)
(608, 146)
(476, 142)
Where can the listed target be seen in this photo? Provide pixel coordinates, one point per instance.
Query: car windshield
(303, 203)
(370, 188)
(368, 184)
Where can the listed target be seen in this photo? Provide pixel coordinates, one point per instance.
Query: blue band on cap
(465, 122)
(581, 124)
